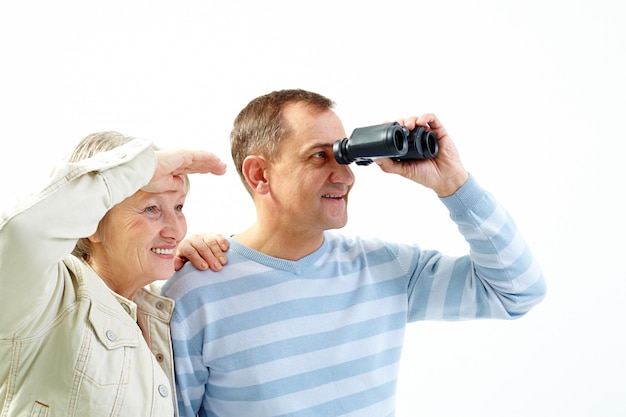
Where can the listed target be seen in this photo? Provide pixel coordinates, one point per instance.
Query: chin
(163, 274)
(337, 225)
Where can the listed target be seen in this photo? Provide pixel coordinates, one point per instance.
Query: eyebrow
(322, 145)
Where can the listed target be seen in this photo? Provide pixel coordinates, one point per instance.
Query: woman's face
(136, 241)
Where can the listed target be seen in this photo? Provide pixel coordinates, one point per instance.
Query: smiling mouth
(162, 251)
(332, 196)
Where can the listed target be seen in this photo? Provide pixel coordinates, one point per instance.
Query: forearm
(43, 228)
(501, 272)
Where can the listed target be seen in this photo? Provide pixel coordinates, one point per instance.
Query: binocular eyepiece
(387, 140)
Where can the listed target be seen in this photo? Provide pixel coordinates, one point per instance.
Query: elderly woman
(80, 333)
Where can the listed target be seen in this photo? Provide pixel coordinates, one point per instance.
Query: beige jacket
(69, 346)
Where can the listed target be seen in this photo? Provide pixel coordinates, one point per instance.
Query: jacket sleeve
(499, 278)
(42, 228)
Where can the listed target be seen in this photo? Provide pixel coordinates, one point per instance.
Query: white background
(532, 92)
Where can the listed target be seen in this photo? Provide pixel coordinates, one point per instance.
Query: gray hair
(88, 147)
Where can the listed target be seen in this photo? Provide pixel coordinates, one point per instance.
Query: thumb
(178, 263)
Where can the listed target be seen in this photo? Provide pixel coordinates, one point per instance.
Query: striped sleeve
(500, 278)
(187, 341)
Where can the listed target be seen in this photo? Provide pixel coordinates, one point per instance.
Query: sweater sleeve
(191, 372)
(42, 228)
(499, 278)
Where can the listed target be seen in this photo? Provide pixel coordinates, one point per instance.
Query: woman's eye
(179, 207)
(151, 210)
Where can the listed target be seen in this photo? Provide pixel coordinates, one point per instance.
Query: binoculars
(387, 140)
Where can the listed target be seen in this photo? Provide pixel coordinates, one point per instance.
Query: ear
(254, 170)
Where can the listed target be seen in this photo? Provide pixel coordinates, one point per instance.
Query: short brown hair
(259, 128)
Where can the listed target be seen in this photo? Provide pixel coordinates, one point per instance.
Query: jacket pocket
(39, 410)
(106, 353)
(104, 364)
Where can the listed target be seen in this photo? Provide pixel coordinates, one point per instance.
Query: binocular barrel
(387, 140)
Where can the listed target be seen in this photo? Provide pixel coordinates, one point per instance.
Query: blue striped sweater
(322, 336)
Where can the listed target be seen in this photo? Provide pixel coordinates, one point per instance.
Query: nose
(342, 174)
(174, 225)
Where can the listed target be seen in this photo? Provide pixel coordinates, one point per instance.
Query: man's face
(308, 186)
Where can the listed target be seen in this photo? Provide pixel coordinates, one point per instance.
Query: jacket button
(159, 357)
(111, 335)
(160, 305)
(163, 390)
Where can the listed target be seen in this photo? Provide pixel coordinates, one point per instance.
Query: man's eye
(179, 207)
(320, 155)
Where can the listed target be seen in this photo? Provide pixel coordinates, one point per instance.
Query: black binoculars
(387, 140)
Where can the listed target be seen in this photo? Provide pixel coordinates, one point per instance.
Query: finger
(212, 164)
(388, 165)
(409, 122)
(179, 263)
(193, 255)
(430, 121)
(214, 253)
(201, 162)
(223, 242)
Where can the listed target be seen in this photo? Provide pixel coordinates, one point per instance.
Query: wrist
(451, 185)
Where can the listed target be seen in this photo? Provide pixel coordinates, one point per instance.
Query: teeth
(332, 196)
(163, 251)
